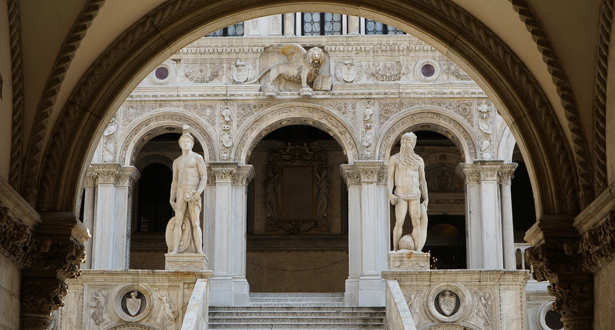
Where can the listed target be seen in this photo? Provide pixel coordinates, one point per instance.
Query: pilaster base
(185, 261)
(368, 291)
(408, 259)
(229, 291)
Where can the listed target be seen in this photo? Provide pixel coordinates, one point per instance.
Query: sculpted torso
(188, 175)
(407, 184)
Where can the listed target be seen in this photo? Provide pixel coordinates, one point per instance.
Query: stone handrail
(197, 312)
(397, 311)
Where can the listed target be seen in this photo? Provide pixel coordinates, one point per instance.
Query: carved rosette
(243, 175)
(469, 173)
(223, 171)
(506, 173)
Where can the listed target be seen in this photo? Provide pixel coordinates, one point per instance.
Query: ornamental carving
(247, 110)
(388, 71)
(226, 130)
(482, 310)
(241, 72)
(314, 161)
(485, 127)
(168, 314)
(97, 306)
(455, 72)
(465, 109)
(17, 242)
(348, 72)
(202, 73)
(110, 141)
(42, 295)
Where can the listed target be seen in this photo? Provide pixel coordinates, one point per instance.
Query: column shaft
(508, 230)
(490, 214)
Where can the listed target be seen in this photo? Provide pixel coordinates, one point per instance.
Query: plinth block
(185, 261)
(408, 259)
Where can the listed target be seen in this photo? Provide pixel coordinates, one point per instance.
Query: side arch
(143, 130)
(505, 146)
(295, 113)
(440, 121)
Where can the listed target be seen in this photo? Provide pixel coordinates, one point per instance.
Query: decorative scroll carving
(17, 121)
(568, 101)
(289, 154)
(52, 89)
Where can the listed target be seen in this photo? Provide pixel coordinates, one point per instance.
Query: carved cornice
(126, 176)
(243, 175)
(18, 101)
(600, 97)
(50, 93)
(506, 173)
(568, 100)
(223, 171)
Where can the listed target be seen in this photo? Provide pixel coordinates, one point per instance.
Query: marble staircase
(297, 311)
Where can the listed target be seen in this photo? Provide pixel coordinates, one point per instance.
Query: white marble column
(89, 203)
(125, 180)
(474, 234)
(229, 286)
(112, 210)
(102, 236)
(354, 26)
(508, 230)
(491, 215)
(368, 233)
(289, 24)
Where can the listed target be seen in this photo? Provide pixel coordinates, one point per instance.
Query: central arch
(295, 113)
(445, 25)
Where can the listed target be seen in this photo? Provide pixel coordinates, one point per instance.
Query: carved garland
(51, 91)
(147, 27)
(569, 103)
(18, 103)
(407, 121)
(600, 97)
(297, 115)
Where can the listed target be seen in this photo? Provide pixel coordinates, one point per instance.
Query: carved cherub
(300, 66)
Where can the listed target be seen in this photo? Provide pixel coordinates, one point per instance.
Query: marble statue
(298, 66)
(189, 179)
(406, 172)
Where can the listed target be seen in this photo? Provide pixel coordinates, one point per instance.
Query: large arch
(295, 113)
(172, 25)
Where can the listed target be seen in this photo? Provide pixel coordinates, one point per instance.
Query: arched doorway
(297, 213)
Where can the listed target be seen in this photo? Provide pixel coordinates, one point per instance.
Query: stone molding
(17, 121)
(223, 171)
(569, 103)
(602, 63)
(52, 89)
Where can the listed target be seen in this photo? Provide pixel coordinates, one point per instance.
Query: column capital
(469, 172)
(243, 175)
(90, 178)
(223, 171)
(488, 169)
(105, 173)
(506, 173)
(127, 175)
(364, 171)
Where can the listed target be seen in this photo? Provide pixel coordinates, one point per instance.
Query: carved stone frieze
(202, 73)
(247, 110)
(134, 110)
(388, 71)
(463, 108)
(347, 110)
(455, 72)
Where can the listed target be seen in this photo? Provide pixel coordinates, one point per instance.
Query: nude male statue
(407, 172)
(189, 180)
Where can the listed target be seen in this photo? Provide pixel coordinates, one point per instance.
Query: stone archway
(295, 114)
(562, 187)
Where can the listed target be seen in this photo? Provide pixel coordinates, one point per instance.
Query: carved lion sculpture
(300, 66)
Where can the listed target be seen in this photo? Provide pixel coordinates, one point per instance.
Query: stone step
(289, 326)
(276, 312)
(296, 320)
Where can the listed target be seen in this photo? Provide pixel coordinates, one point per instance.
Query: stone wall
(10, 282)
(604, 300)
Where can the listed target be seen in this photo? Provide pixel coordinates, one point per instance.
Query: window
(373, 27)
(318, 24)
(235, 30)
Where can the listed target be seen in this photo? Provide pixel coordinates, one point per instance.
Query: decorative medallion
(133, 303)
(447, 303)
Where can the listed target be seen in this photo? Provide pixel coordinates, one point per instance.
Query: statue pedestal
(185, 261)
(408, 259)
